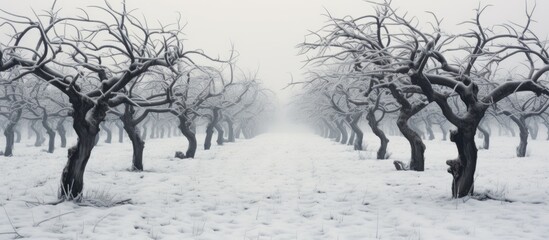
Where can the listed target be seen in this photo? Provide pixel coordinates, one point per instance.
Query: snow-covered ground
(278, 186)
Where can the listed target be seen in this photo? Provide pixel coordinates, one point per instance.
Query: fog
(265, 33)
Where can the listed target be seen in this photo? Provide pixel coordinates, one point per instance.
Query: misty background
(265, 33)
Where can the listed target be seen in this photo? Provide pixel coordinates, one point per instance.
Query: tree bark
(463, 168)
(120, 126)
(533, 129)
(185, 128)
(62, 132)
(220, 134)
(230, 128)
(353, 122)
(39, 140)
(17, 134)
(238, 130)
(50, 132)
(444, 131)
(137, 143)
(374, 125)
(352, 138)
(523, 133)
(145, 128)
(9, 132)
(486, 137)
(343, 131)
(417, 158)
(87, 117)
(429, 129)
(210, 129)
(108, 131)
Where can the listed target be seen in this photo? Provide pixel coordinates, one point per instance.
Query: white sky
(265, 33)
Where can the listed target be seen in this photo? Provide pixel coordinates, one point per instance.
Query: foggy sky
(265, 33)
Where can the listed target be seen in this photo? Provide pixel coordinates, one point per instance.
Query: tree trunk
(352, 138)
(9, 132)
(120, 131)
(343, 131)
(145, 128)
(17, 132)
(185, 128)
(533, 129)
(87, 117)
(230, 128)
(162, 131)
(62, 132)
(444, 132)
(238, 130)
(108, 131)
(486, 137)
(353, 121)
(374, 125)
(137, 143)
(210, 129)
(50, 132)
(429, 129)
(39, 140)
(463, 168)
(417, 158)
(153, 132)
(220, 134)
(523, 133)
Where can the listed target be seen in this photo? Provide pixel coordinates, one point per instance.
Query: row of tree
(386, 68)
(107, 65)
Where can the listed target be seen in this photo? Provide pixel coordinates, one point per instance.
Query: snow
(278, 186)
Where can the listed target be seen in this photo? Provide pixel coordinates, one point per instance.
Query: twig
(45, 220)
(101, 219)
(11, 223)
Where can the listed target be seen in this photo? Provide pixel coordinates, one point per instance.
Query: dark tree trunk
(523, 133)
(486, 136)
(153, 132)
(444, 131)
(185, 128)
(220, 134)
(343, 131)
(374, 125)
(87, 117)
(510, 129)
(353, 122)
(417, 158)
(120, 126)
(145, 128)
(417, 130)
(547, 127)
(162, 131)
(50, 132)
(337, 133)
(352, 138)
(62, 132)
(332, 131)
(533, 129)
(39, 140)
(175, 131)
(230, 130)
(17, 135)
(210, 129)
(238, 130)
(169, 131)
(9, 132)
(108, 131)
(429, 129)
(137, 143)
(463, 168)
